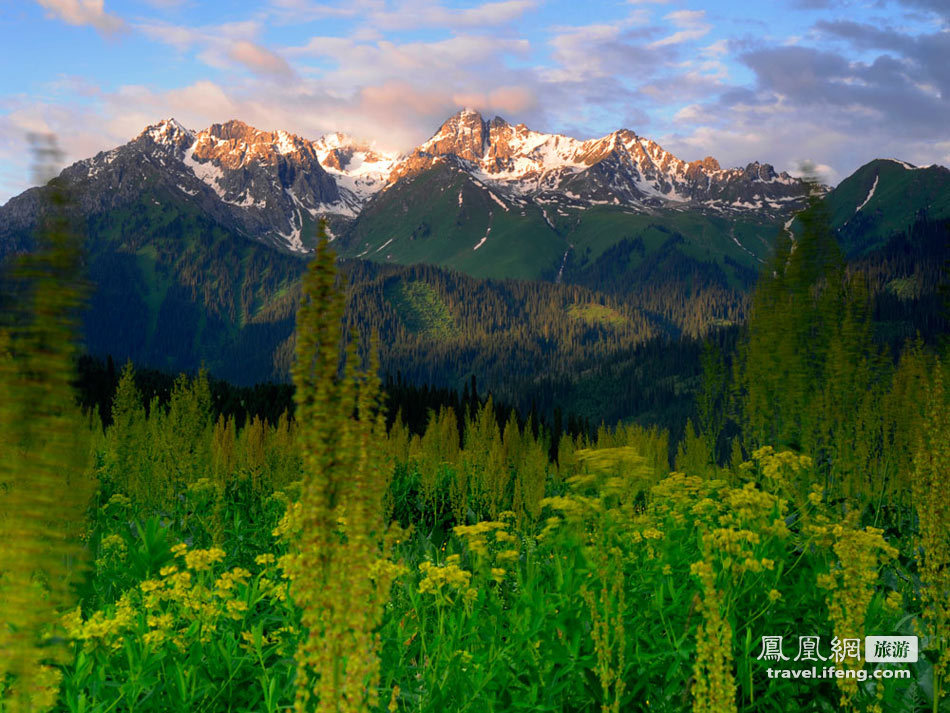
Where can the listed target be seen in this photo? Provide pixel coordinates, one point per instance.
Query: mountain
(359, 169)
(268, 186)
(496, 200)
(622, 169)
(197, 240)
(273, 186)
(884, 197)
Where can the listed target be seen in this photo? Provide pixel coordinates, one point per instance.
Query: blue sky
(836, 83)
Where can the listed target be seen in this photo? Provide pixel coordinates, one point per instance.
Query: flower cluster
(446, 581)
(851, 584)
(715, 687)
(187, 602)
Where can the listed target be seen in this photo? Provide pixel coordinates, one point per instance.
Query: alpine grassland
(176, 559)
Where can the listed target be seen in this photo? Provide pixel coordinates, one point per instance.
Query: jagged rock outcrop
(621, 168)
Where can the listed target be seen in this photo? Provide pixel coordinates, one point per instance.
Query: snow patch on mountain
(205, 171)
(247, 201)
(908, 166)
(482, 241)
(870, 194)
(285, 144)
(498, 200)
(293, 239)
(359, 169)
(167, 132)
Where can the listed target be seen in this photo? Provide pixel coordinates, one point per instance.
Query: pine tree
(807, 359)
(711, 397)
(125, 435)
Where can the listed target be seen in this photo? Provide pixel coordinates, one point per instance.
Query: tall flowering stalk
(340, 577)
(715, 688)
(931, 491)
(607, 629)
(850, 586)
(44, 489)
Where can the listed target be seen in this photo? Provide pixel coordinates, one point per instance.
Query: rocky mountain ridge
(622, 169)
(273, 186)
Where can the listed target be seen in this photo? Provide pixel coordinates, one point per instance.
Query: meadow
(175, 561)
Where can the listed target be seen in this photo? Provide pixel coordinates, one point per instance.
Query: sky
(832, 82)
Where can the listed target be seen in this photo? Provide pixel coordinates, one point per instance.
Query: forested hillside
(611, 331)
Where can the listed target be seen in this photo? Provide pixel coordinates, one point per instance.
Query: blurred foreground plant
(44, 488)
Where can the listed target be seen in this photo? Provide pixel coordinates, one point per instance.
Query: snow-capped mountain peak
(621, 168)
(359, 168)
(167, 133)
(274, 185)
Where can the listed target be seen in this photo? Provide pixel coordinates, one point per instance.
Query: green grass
(421, 220)
(420, 308)
(595, 601)
(596, 314)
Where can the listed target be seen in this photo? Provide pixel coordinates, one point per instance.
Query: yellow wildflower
(160, 621)
(120, 501)
(893, 602)
(200, 560)
(154, 638)
(236, 609)
(150, 585)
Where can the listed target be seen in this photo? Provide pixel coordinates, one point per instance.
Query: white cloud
(258, 59)
(691, 27)
(822, 171)
(85, 12)
(460, 61)
(222, 46)
(689, 114)
(716, 49)
(413, 14)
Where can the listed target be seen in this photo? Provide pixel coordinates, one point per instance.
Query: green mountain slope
(440, 217)
(443, 217)
(174, 289)
(884, 198)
